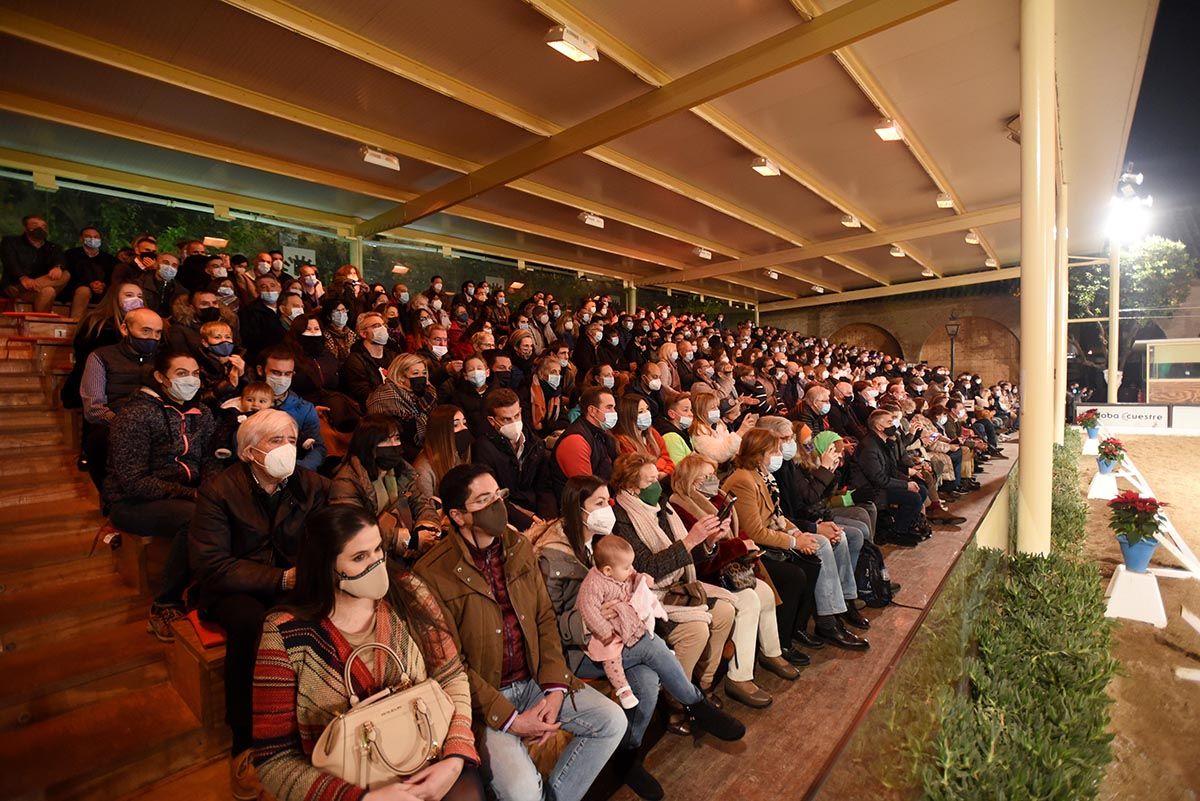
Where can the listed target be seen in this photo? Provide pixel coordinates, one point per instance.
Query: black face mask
(389, 457)
(419, 384)
(502, 378)
(209, 315)
(462, 440)
(890, 431)
(312, 346)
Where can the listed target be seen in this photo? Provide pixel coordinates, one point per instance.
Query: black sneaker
(628, 762)
(721, 725)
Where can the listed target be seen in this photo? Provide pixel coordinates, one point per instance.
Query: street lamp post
(952, 332)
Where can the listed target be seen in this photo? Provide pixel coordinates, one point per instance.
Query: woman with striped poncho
(347, 594)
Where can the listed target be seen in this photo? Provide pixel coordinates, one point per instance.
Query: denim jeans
(598, 725)
(855, 534)
(861, 515)
(835, 583)
(648, 663)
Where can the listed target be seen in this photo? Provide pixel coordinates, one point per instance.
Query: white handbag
(392, 734)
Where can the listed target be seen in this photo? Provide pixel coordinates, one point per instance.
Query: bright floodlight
(1128, 219)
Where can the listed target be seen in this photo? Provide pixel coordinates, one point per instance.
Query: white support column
(1062, 278)
(1114, 318)
(630, 297)
(756, 321)
(1037, 262)
(356, 255)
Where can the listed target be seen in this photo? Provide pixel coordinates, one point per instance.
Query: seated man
(876, 477)
(487, 579)
(91, 269)
(111, 375)
(586, 448)
(242, 545)
(278, 368)
(34, 267)
(518, 459)
(814, 409)
(261, 325)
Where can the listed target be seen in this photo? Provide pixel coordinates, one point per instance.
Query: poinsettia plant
(1089, 419)
(1134, 516)
(1111, 450)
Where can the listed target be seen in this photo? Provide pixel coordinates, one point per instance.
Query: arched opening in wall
(871, 337)
(983, 346)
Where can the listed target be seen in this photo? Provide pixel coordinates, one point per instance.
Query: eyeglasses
(153, 254)
(484, 501)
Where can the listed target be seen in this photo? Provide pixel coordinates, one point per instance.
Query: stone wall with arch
(869, 336)
(983, 346)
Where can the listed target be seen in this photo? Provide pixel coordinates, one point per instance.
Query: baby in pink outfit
(618, 608)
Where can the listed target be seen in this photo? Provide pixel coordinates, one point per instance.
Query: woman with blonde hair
(668, 354)
(635, 433)
(406, 397)
(710, 436)
(696, 494)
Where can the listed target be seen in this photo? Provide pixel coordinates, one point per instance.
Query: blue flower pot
(1137, 556)
(1094, 433)
(1106, 466)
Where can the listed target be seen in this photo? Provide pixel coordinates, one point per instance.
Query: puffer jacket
(158, 449)
(564, 573)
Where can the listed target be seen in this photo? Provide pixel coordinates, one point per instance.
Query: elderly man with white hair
(242, 546)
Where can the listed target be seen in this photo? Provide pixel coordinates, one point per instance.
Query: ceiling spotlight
(448, 252)
(897, 251)
(594, 220)
(927, 273)
(971, 238)
(215, 242)
(820, 290)
(1132, 178)
(571, 44)
(399, 269)
(990, 262)
(513, 286)
(888, 130)
(380, 158)
(764, 166)
(944, 201)
(1127, 190)
(703, 253)
(850, 221)
(774, 276)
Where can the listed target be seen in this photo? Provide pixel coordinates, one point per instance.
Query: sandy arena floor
(1156, 717)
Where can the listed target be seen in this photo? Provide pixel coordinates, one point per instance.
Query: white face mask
(554, 380)
(789, 449)
(477, 378)
(685, 422)
(713, 416)
(511, 431)
(280, 462)
(439, 350)
(643, 420)
(607, 381)
(379, 335)
(655, 384)
(601, 521)
(610, 420)
(277, 264)
(262, 267)
(279, 384)
(185, 388)
(371, 583)
(220, 272)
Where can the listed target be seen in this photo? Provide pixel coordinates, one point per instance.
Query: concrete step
(60, 756)
(41, 682)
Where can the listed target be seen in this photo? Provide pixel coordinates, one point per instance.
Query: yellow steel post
(1061, 285)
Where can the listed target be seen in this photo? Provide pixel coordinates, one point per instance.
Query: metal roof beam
(845, 25)
(849, 244)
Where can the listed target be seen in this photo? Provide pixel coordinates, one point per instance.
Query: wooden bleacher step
(105, 749)
(56, 459)
(61, 612)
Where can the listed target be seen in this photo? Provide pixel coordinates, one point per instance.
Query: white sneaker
(626, 697)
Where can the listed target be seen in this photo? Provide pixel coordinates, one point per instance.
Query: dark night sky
(1164, 142)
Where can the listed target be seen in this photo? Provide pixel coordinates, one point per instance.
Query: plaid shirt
(490, 562)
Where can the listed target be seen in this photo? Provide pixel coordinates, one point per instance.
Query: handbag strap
(357, 652)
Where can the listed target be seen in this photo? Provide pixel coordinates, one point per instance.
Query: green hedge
(1031, 721)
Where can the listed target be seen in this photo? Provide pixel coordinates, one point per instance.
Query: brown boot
(243, 781)
(780, 667)
(748, 693)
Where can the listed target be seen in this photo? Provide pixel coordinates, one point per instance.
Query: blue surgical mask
(167, 272)
(789, 450)
(404, 297)
(554, 380)
(643, 420)
(222, 348)
(270, 297)
(825, 408)
(775, 463)
(339, 318)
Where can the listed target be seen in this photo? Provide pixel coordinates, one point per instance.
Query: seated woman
(467, 391)
(695, 495)
(700, 616)
(520, 350)
(544, 405)
(99, 326)
(447, 444)
(564, 553)
(635, 434)
(318, 369)
(348, 594)
(375, 477)
(709, 434)
(821, 476)
(407, 397)
(156, 446)
(242, 546)
(336, 317)
(761, 515)
(222, 366)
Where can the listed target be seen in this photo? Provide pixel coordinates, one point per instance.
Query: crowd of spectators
(337, 461)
